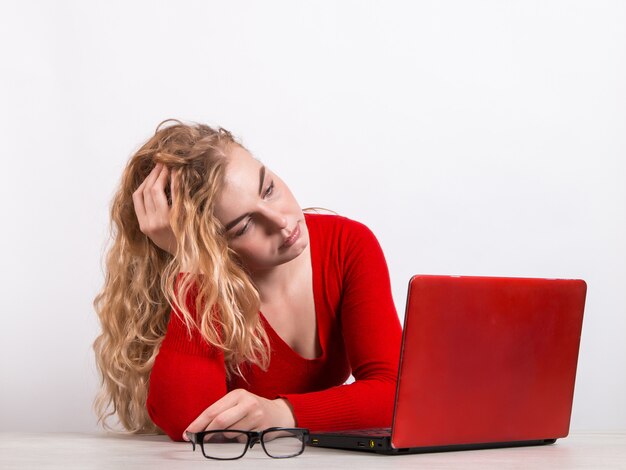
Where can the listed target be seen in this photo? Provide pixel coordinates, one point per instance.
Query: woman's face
(264, 223)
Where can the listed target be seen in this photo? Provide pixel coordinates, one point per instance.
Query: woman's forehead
(243, 178)
(242, 171)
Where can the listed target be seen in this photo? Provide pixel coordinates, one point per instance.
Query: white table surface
(111, 451)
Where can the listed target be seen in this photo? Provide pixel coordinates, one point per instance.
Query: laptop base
(382, 445)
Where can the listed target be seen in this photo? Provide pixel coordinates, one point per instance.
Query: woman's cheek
(251, 253)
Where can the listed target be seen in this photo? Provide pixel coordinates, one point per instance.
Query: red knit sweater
(359, 333)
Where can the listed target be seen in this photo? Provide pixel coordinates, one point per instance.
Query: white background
(475, 138)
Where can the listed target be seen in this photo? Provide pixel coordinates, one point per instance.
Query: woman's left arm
(372, 335)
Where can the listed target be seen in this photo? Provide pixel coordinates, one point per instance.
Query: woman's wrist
(286, 418)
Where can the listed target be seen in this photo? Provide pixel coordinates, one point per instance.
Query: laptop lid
(487, 359)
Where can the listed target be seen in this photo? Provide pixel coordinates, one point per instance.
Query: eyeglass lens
(224, 445)
(280, 444)
(232, 445)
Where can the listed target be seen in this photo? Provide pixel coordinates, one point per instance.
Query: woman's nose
(276, 218)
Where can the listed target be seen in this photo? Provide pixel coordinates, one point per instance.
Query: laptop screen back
(487, 360)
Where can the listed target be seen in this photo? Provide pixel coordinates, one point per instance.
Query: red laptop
(486, 362)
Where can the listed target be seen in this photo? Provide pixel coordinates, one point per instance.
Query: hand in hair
(245, 411)
(153, 210)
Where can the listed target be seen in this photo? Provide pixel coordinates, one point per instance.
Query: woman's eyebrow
(261, 179)
(241, 217)
(235, 222)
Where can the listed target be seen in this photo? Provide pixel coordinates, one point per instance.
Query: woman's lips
(295, 234)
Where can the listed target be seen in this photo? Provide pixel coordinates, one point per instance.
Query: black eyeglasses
(230, 444)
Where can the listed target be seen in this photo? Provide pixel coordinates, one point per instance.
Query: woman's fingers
(248, 422)
(229, 419)
(240, 409)
(148, 190)
(153, 210)
(159, 198)
(237, 409)
(174, 185)
(139, 199)
(139, 204)
(206, 417)
(140, 209)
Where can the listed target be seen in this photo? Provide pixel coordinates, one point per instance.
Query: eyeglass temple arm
(192, 439)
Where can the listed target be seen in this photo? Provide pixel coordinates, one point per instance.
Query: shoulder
(338, 230)
(333, 222)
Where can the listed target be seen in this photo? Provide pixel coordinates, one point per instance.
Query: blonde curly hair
(143, 283)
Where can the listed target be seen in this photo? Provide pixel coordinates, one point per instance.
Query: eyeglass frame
(197, 438)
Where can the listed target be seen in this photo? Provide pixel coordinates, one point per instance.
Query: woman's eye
(243, 229)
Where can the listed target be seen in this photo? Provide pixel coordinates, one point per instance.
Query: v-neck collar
(313, 250)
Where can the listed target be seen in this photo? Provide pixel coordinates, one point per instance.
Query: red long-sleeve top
(359, 333)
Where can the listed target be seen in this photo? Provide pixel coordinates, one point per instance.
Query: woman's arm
(372, 335)
(187, 376)
(188, 390)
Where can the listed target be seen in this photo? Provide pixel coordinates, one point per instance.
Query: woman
(226, 306)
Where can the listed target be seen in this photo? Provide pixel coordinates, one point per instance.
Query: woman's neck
(277, 280)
